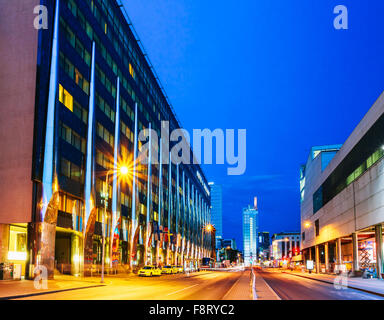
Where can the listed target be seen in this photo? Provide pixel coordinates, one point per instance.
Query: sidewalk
(374, 286)
(12, 288)
(242, 289)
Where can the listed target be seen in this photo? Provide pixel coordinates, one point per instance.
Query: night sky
(276, 68)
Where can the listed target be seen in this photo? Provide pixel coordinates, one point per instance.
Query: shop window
(17, 249)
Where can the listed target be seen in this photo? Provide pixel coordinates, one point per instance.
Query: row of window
(125, 200)
(70, 136)
(105, 81)
(112, 64)
(372, 159)
(126, 131)
(71, 171)
(67, 99)
(105, 107)
(75, 42)
(103, 160)
(105, 134)
(73, 73)
(70, 205)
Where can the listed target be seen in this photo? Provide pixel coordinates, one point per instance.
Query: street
(198, 286)
(292, 287)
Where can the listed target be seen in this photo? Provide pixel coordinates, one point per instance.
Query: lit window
(17, 249)
(65, 98)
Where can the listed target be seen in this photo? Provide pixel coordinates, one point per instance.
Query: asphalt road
(291, 287)
(201, 286)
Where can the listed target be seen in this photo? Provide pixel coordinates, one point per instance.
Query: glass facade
(250, 232)
(217, 208)
(160, 209)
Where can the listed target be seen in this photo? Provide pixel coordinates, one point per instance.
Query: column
(317, 257)
(379, 250)
(326, 252)
(355, 252)
(339, 260)
(310, 253)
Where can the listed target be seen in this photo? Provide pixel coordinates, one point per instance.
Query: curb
(348, 286)
(48, 292)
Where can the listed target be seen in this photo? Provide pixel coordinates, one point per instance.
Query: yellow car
(167, 270)
(180, 269)
(175, 269)
(149, 271)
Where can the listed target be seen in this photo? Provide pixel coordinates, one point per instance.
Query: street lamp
(122, 171)
(207, 228)
(307, 224)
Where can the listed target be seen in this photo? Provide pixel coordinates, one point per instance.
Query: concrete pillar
(326, 253)
(310, 253)
(317, 258)
(355, 252)
(379, 250)
(339, 259)
(285, 248)
(4, 239)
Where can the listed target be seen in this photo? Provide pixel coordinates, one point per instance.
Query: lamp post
(207, 228)
(123, 170)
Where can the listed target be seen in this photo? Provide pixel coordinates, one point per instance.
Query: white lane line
(254, 286)
(183, 289)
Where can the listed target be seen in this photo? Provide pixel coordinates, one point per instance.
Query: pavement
(206, 285)
(375, 286)
(295, 286)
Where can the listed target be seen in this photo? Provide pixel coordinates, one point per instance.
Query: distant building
(285, 245)
(229, 243)
(250, 229)
(263, 244)
(217, 211)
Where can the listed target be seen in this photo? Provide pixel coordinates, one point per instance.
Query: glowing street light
(307, 224)
(121, 171)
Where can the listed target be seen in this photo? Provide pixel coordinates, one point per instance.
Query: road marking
(183, 289)
(254, 286)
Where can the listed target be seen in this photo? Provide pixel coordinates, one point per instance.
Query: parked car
(149, 271)
(180, 269)
(167, 270)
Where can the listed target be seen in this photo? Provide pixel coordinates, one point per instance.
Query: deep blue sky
(276, 68)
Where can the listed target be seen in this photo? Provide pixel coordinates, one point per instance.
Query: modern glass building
(77, 92)
(217, 211)
(250, 231)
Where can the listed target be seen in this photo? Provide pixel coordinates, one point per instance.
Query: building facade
(229, 243)
(285, 245)
(342, 205)
(78, 94)
(250, 231)
(264, 242)
(217, 210)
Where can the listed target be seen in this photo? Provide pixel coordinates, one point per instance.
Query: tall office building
(217, 211)
(250, 232)
(76, 89)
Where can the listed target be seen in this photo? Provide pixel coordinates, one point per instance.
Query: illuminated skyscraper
(217, 211)
(250, 231)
